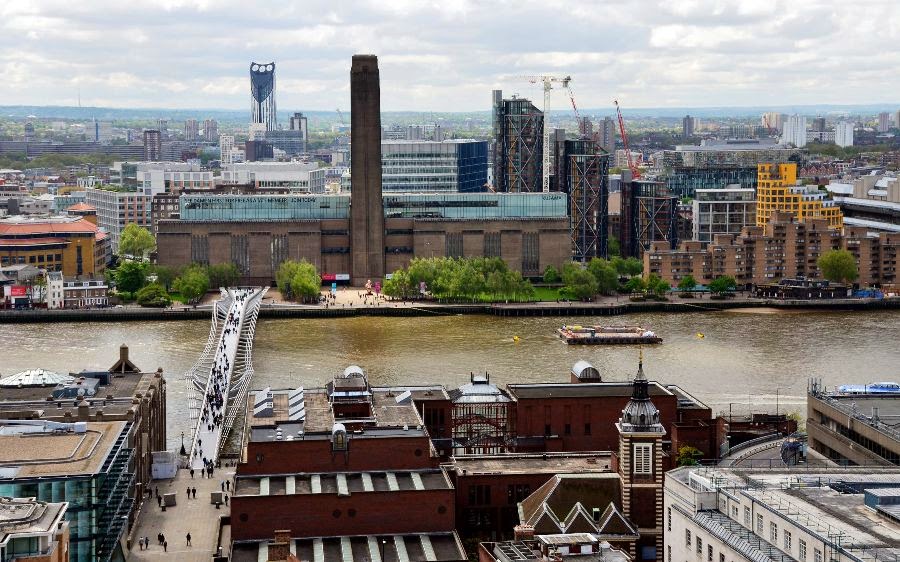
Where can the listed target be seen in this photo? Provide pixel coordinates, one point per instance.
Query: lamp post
(183, 451)
(383, 544)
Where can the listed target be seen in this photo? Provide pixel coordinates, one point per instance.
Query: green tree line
(460, 279)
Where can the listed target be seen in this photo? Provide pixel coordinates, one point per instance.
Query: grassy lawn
(546, 293)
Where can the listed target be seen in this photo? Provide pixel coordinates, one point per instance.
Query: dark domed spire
(641, 414)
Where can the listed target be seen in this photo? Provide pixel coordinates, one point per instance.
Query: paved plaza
(198, 517)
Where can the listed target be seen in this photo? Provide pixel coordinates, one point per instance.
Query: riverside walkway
(219, 380)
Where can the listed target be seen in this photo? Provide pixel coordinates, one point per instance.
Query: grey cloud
(445, 55)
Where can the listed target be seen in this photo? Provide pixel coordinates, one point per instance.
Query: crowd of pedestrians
(213, 412)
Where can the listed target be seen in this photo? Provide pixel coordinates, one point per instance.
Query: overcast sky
(447, 55)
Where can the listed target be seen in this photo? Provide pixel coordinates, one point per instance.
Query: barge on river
(607, 335)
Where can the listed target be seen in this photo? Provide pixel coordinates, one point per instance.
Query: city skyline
(448, 57)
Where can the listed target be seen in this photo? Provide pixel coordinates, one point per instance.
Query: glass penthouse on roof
(455, 206)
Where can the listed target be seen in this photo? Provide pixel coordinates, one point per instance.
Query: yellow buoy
(516, 339)
(700, 335)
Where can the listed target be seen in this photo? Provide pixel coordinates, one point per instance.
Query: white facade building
(297, 176)
(722, 211)
(151, 178)
(72, 293)
(794, 131)
(116, 209)
(226, 148)
(781, 515)
(884, 122)
(843, 134)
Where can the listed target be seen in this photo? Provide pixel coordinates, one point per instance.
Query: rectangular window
(669, 553)
(643, 458)
(734, 512)
(817, 555)
(787, 541)
(747, 516)
(759, 524)
(721, 557)
(801, 546)
(709, 553)
(687, 538)
(669, 519)
(773, 533)
(699, 546)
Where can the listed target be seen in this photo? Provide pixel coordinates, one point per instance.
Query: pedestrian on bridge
(188, 537)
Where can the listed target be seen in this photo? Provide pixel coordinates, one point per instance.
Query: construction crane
(635, 173)
(548, 81)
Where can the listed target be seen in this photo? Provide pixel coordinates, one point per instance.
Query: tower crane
(635, 173)
(548, 81)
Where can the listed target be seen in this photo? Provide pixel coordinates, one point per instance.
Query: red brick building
(347, 461)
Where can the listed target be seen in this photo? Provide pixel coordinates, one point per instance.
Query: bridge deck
(219, 380)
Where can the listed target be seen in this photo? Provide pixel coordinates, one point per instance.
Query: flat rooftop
(390, 418)
(48, 455)
(862, 407)
(581, 390)
(23, 516)
(437, 547)
(122, 388)
(829, 501)
(540, 463)
(340, 483)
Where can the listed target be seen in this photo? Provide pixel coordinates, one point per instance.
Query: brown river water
(751, 359)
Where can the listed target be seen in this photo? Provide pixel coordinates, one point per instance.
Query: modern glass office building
(427, 166)
(98, 488)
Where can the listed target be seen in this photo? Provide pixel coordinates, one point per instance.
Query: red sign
(329, 277)
(18, 291)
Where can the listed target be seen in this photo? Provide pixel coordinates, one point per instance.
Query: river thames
(750, 359)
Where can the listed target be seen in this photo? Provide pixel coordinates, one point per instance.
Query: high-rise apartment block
(583, 173)
(585, 127)
(722, 211)
(606, 135)
(518, 167)
(191, 130)
(795, 131)
(818, 124)
(777, 190)
(884, 122)
(773, 121)
(687, 126)
(210, 130)
(262, 95)
(843, 134)
(152, 145)
(226, 148)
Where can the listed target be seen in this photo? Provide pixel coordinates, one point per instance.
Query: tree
(635, 285)
(165, 275)
(136, 241)
(613, 247)
(298, 280)
(223, 275)
(192, 283)
(838, 266)
(605, 274)
(657, 286)
(687, 283)
(131, 276)
(580, 283)
(153, 295)
(688, 456)
(722, 284)
(551, 275)
(39, 288)
(634, 266)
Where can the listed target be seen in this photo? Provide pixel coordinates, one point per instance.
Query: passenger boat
(607, 335)
(872, 388)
